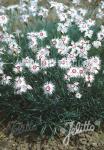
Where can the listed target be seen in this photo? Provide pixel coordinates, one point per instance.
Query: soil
(88, 141)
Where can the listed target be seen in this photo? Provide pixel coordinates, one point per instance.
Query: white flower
(18, 67)
(90, 22)
(77, 2)
(65, 39)
(42, 34)
(62, 28)
(60, 7)
(89, 84)
(83, 53)
(83, 27)
(48, 88)
(34, 68)
(6, 80)
(64, 63)
(19, 81)
(63, 50)
(33, 8)
(73, 87)
(71, 56)
(47, 63)
(73, 72)
(96, 44)
(81, 71)
(31, 35)
(58, 43)
(32, 40)
(24, 18)
(42, 53)
(44, 63)
(21, 86)
(43, 12)
(89, 1)
(73, 13)
(78, 95)
(66, 77)
(102, 28)
(62, 17)
(13, 46)
(89, 33)
(52, 62)
(3, 19)
(76, 83)
(100, 36)
(92, 65)
(27, 62)
(89, 78)
(2, 9)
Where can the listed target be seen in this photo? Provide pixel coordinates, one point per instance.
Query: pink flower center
(1, 37)
(82, 50)
(2, 17)
(74, 46)
(41, 34)
(74, 70)
(40, 57)
(81, 71)
(54, 42)
(47, 88)
(64, 39)
(90, 20)
(44, 63)
(18, 67)
(63, 62)
(84, 26)
(60, 50)
(34, 67)
(71, 56)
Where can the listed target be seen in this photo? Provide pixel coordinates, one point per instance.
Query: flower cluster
(27, 10)
(61, 51)
(21, 86)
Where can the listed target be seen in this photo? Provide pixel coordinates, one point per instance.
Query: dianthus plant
(50, 69)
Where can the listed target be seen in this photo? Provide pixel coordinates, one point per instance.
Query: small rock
(94, 144)
(83, 141)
